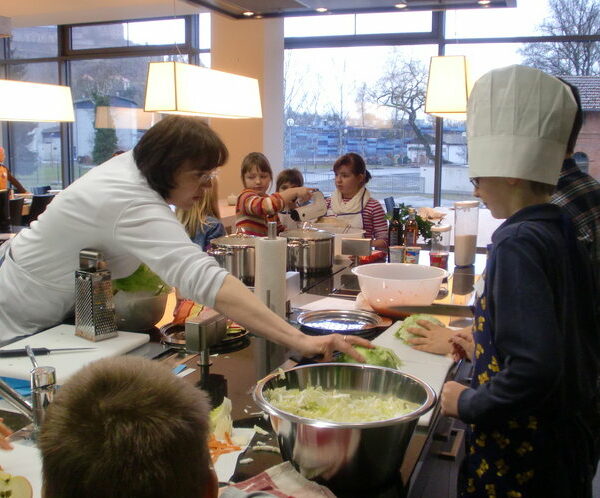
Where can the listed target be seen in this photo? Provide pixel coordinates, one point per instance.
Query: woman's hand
(450, 394)
(431, 338)
(462, 345)
(326, 345)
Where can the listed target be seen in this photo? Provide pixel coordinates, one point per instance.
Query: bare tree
(300, 95)
(576, 58)
(362, 98)
(402, 88)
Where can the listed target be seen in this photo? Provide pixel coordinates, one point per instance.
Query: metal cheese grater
(94, 309)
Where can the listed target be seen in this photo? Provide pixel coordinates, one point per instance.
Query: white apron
(347, 213)
(53, 303)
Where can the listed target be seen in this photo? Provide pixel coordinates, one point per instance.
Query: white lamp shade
(130, 118)
(448, 87)
(26, 101)
(178, 88)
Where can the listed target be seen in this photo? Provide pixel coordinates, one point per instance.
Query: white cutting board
(428, 367)
(24, 460)
(66, 364)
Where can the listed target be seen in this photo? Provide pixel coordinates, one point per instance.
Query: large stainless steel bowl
(346, 456)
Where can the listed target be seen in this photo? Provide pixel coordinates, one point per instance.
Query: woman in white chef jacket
(352, 205)
(121, 208)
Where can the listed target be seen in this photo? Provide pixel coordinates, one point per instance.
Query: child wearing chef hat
(533, 403)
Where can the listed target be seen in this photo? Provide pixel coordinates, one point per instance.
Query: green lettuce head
(141, 280)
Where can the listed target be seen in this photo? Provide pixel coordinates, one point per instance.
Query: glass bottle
(440, 246)
(395, 231)
(411, 229)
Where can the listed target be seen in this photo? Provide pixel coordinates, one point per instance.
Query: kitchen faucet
(43, 387)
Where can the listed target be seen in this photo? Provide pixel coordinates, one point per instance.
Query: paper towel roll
(270, 269)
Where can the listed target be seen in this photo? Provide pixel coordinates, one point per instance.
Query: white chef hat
(519, 120)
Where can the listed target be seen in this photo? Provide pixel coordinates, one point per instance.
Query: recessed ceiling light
(401, 5)
(484, 2)
(321, 9)
(248, 13)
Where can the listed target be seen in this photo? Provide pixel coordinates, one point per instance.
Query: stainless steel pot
(357, 457)
(235, 253)
(309, 251)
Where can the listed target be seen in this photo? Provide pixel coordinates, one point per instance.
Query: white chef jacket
(112, 209)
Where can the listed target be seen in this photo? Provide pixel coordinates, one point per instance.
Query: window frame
(438, 37)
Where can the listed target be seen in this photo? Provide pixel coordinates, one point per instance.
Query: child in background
(201, 222)
(255, 208)
(351, 203)
(288, 178)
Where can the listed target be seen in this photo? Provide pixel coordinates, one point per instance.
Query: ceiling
(26, 13)
(249, 9)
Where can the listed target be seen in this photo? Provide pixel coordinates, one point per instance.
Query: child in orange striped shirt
(255, 208)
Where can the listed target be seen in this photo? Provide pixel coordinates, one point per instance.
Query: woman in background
(352, 205)
(255, 208)
(201, 222)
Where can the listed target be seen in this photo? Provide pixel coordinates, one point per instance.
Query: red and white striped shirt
(373, 217)
(253, 211)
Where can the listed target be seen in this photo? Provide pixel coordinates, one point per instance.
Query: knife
(15, 353)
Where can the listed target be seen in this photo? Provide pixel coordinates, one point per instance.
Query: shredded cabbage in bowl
(339, 406)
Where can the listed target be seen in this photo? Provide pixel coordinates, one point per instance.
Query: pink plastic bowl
(385, 285)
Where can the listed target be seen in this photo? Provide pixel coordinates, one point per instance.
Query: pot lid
(306, 234)
(343, 321)
(234, 240)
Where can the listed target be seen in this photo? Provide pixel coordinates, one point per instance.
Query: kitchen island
(434, 448)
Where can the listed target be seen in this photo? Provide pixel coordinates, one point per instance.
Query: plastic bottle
(411, 229)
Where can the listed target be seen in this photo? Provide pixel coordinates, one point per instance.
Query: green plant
(423, 224)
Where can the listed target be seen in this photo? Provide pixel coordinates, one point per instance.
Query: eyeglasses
(474, 182)
(207, 178)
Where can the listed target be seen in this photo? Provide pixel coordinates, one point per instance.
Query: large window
(367, 98)
(106, 65)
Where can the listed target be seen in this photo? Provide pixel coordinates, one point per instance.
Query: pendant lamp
(26, 101)
(178, 88)
(448, 87)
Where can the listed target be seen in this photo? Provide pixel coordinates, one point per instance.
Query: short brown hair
(171, 142)
(256, 160)
(356, 163)
(125, 427)
(291, 175)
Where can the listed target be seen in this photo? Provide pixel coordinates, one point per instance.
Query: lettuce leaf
(379, 356)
